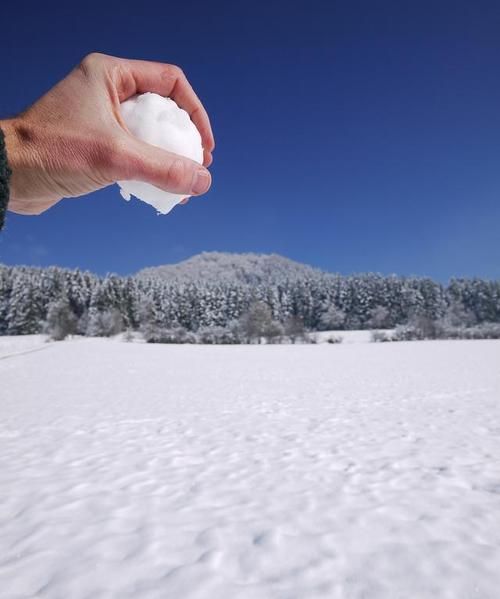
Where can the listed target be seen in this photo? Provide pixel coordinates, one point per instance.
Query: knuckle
(92, 61)
(117, 73)
(176, 175)
(173, 71)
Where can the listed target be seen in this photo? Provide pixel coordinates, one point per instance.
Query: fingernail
(201, 181)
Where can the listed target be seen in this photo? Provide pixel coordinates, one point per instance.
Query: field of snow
(347, 336)
(254, 472)
(21, 344)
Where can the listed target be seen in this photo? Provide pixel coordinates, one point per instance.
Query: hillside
(249, 269)
(221, 290)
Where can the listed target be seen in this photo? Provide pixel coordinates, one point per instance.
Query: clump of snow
(160, 122)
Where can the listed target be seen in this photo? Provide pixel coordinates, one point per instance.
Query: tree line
(35, 300)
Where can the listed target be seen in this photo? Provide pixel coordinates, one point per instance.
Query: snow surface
(347, 336)
(159, 122)
(130, 470)
(19, 344)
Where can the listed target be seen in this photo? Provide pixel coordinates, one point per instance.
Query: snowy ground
(284, 472)
(21, 344)
(346, 336)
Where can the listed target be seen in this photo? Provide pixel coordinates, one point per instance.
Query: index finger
(140, 76)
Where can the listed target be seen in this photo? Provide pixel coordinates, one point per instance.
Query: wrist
(23, 155)
(11, 139)
(13, 148)
(5, 173)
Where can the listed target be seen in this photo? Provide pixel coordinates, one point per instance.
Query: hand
(73, 141)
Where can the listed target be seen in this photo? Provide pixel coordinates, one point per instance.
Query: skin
(73, 141)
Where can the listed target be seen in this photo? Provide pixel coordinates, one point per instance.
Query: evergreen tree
(318, 300)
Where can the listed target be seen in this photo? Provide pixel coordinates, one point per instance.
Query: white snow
(159, 122)
(17, 344)
(363, 336)
(345, 471)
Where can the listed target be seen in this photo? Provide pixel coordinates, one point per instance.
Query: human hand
(73, 140)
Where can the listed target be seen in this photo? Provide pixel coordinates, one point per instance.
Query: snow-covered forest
(204, 302)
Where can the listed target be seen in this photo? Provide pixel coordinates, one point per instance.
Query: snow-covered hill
(252, 472)
(250, 269)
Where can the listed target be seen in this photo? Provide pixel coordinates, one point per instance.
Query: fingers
(168, 171)
(207, 158)
(140, 76)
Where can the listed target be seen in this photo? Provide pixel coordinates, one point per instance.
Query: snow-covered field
(346, 336)
(284, 472)
(21, 344)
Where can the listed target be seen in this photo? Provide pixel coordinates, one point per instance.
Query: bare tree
(294, 328)
(256, 322)
(274, 332)
(457, 315)
(333, 318)
(60, 321)
(379, 318)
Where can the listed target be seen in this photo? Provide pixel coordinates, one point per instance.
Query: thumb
(166, 170)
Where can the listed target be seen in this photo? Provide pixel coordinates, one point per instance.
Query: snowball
(159, 122)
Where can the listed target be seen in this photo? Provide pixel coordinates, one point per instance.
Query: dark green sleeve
(5, 173)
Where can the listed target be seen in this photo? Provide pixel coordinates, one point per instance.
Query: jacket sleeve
(5, 173)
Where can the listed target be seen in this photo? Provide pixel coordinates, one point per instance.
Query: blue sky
(355, 136)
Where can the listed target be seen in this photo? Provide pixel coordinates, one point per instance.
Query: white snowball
(159, 122)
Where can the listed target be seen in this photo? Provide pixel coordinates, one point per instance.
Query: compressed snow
(159, 122)
(350, 471)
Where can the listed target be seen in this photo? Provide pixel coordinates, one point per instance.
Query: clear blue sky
(356, 136)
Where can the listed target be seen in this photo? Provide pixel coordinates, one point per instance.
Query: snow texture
(274, 472)
(159, 122)
(20, 344)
